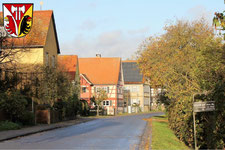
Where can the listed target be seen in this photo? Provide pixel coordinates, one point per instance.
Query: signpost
(201, 107)
(204, 106)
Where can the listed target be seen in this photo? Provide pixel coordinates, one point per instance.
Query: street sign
(204, 106)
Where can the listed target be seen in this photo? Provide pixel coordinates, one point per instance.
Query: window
(46, 58)
(105, 88)
(53, 61)
(98, 89)
(135, 89)
(120, 90)
(135, 101)
(84, 89)
(106, 103)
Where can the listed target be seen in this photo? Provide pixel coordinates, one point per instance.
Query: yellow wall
(50, 45)
(26, 56)
(38, 55)
(137, 94)
(30, 56)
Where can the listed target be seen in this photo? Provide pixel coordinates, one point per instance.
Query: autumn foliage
(185, 60)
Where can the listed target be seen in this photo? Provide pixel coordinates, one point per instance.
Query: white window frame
(85, 89)
(106, 103)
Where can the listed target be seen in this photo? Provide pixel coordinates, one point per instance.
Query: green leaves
(54, 84)
(14, 104)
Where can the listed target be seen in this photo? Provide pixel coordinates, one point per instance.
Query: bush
(43, 107)
(27, 118)
(72, 106)
(8, 125)
(13, 104)
(84, 108)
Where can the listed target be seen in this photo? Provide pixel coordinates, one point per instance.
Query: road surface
(110, 133)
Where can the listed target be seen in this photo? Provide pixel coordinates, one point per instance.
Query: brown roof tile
(100, 70)
(69, 64)
(68, 61)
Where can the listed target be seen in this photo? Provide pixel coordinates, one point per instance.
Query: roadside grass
(7, 125)
(163, 137)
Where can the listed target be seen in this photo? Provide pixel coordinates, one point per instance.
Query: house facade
(40, 46)
(102, 73)
(136, 91)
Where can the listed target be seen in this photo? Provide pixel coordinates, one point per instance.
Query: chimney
(98, 55)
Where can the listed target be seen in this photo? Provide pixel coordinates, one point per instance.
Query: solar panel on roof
(131, 72)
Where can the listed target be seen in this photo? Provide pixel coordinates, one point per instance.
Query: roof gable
(86, 78)
(131, 72)
(39, 30)
(101, 70)
(70, 62)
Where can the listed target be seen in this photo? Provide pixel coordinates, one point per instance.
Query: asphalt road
(110, 133)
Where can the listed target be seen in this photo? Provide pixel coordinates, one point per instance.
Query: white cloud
(110, 44)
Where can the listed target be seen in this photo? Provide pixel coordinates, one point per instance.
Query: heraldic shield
(18, 18)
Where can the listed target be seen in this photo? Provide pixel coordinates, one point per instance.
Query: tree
(187, 59)
(52, 84)
(98, 97)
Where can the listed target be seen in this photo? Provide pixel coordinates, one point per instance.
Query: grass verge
(7, 125)
(163, 137)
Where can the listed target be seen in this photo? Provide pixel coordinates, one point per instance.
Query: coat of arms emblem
(17, 18)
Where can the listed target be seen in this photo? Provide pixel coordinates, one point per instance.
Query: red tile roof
(100, 70)
(68, 61)
(69, 64)
(39, 30)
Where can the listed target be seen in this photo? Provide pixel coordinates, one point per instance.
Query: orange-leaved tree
(185, 60)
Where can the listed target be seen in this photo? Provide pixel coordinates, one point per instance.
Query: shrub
(27, 118)
(43, 106)
(8, 125)
(84, 108)
(72, 106)
(13, 104)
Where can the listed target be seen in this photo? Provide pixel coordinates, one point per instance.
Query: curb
(46, 128)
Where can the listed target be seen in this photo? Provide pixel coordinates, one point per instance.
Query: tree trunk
(97, 110)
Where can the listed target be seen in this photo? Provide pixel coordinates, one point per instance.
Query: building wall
(85, 95)
(139, 94)
(39, 55)
(147, 98)
(50, 49)
(29, 56)
(113, 103)
(120, 99)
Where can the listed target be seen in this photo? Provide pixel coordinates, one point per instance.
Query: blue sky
(116, 28)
